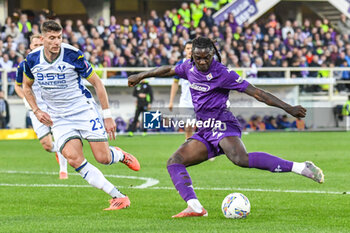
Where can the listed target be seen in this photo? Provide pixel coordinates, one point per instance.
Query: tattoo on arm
(163, 71)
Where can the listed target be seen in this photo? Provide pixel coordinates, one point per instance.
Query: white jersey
(60, 82)
(185, 98)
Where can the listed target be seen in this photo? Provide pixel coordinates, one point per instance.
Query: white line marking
(172, 188)
(262, 190)
(149, 181)
(49, 185)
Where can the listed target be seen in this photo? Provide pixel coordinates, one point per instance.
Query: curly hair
(203, 43)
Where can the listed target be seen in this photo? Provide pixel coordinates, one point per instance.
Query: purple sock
(182, 181)
(265, 161)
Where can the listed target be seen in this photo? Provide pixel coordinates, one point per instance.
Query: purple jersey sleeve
(231, 80)
(181, 69)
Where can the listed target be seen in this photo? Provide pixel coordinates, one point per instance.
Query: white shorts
(40, 129)
(87, 124)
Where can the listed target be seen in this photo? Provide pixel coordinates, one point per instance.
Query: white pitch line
(149, 181)
(171, 188)
(48, 185)
(262, 190)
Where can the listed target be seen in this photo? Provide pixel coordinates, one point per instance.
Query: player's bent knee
(102, 153)
(46, 143)
(239, 159)
(73, 160)
(75, 163)
(47, 146)
(175, 158)
(103, 159)
(170, 161)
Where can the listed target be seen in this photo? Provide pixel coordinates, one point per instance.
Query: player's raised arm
(162, 71)
(269, 99)
(103, 98)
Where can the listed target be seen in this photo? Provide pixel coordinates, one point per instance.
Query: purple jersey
(210, 90)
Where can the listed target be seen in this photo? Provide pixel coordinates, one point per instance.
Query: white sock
(62, 161)
(116, 155)
(195, 205)
(53, 147)
(298, 167)
(96, 179)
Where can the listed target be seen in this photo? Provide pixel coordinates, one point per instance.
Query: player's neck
(50, 57)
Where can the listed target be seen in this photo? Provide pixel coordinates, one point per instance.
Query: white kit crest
(209, 77)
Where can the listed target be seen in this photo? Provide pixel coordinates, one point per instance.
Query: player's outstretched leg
(95, 178)
(73, 151)
(235, 151)
(265, 161)
(190, 153)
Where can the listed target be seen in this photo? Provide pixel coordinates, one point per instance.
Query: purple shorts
(211, 136)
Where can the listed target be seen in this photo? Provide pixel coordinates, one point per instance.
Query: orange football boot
(129, 160)
(189, 212)
(63, 175)
(119, 203)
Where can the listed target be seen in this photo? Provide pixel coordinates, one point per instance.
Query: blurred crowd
(159, 39)
(269, 122)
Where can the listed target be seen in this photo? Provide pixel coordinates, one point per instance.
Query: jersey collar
(54, 59)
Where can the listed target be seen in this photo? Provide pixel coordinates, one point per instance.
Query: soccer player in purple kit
(210, 83)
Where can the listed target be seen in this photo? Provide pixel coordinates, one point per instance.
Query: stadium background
(33, 199)
(286, 83)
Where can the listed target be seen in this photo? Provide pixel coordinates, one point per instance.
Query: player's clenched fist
(133, 80)
(297, 111)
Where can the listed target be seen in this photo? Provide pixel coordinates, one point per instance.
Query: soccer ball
(235, 205)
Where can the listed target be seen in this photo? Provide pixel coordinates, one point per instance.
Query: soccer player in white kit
(72, 114)
(185, 98)
(42, 131)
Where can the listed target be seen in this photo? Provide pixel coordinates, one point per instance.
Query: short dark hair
(203, 43)
(50, 25)
(188, 42)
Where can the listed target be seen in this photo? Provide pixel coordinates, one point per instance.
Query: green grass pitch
(29, 204)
